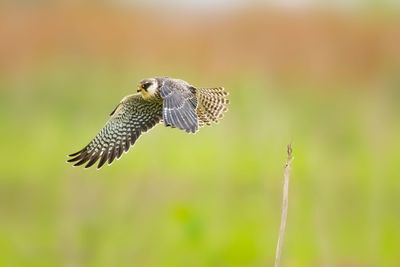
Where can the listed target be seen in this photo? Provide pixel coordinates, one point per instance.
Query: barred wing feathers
(132, 117)
(212, 105)
(179, 106)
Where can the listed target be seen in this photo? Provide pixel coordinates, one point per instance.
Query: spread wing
(179, 106)
(132, 117)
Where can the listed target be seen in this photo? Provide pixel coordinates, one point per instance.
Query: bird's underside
(173, 102)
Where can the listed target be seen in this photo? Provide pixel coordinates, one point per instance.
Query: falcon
(172, 102)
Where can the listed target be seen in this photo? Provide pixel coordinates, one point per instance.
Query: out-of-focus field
(327, 82)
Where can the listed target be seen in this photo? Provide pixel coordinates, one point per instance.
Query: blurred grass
(326, 81)
(207, 200)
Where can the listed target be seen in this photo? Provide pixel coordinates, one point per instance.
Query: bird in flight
(173, 102)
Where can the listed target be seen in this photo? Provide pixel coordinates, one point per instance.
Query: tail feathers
(212, 105)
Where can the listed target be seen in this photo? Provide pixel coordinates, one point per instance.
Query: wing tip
(76, 153)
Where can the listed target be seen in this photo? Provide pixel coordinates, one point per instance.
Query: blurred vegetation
(212, 199)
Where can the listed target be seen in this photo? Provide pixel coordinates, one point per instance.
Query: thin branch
(285, 201)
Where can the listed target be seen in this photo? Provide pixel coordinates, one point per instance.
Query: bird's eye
(146, 85)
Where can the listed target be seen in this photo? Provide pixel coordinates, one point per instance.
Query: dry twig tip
(285, 202)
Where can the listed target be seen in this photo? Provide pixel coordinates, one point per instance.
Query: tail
(212, 104)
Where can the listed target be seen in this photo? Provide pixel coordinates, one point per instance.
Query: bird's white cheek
(149, 92)
(152, 89)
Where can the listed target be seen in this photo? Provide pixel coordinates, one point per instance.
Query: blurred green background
(323, 77)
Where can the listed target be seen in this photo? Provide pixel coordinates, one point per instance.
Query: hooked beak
(139, 88)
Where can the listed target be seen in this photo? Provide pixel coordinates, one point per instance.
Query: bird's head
(147, 87)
